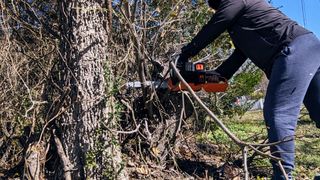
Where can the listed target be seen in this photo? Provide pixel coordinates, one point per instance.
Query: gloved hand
(214, 4)
(182, 60)
(180, 64)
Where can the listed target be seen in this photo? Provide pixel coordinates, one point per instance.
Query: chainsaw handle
(213, 76)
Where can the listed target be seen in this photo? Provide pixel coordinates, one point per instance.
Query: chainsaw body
(194, 74)
(199, 79)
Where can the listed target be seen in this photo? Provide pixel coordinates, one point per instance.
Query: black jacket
(257, 30)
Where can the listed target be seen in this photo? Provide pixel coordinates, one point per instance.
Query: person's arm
(232, 64)
(224, 17)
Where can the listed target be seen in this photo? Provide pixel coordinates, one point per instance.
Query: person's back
(261, 30)
(256, 28)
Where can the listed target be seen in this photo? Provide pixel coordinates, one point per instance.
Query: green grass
(251, 128)
(307, 149)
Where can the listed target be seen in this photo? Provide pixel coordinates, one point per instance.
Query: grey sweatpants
(295, 79)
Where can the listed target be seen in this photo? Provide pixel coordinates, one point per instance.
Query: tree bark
(91, 150)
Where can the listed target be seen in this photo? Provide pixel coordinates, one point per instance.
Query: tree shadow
(198, 169)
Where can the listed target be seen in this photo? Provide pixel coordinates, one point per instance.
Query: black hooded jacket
(258, 31)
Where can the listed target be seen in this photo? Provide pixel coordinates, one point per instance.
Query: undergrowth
(251, 128)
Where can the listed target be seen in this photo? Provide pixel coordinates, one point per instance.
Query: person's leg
(312, 99)
(291, 75)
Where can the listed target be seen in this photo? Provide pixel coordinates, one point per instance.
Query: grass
(251, 128)
(307, 148)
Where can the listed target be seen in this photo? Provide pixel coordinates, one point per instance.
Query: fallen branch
(127, 132)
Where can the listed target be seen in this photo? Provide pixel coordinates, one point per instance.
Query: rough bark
(92, 151)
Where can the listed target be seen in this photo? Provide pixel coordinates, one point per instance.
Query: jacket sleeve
(224, 17)
(232, 64)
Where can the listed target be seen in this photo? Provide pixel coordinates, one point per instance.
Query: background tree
(27, 55)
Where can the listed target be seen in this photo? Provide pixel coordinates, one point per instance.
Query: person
(288, 54)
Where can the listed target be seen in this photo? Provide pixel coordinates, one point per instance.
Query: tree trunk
(90, 148)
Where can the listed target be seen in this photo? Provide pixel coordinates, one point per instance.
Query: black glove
(182, 60)
(214, 4)
(180, 64)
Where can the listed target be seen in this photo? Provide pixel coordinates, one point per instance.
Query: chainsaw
(194, 74)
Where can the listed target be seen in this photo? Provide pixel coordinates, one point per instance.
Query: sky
(293, 9)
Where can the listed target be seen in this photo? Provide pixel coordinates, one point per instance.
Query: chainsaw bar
(168, 85)
(159, 84)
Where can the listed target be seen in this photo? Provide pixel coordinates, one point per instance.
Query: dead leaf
(155, 151)
(143, 170)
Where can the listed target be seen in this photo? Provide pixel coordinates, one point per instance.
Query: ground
(212, 155)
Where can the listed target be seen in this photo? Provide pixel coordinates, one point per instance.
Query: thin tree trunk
(91, 150)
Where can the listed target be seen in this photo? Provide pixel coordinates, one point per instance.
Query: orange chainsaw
(194, 74)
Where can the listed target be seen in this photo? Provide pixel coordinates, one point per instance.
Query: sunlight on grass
(251, 128)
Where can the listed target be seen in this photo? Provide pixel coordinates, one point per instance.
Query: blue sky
(293, 9)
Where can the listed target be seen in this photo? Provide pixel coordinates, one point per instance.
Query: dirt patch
(190, 160)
